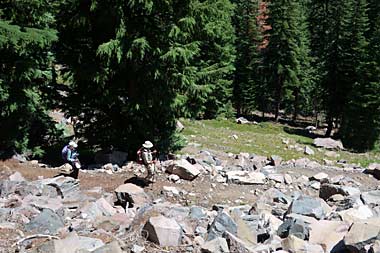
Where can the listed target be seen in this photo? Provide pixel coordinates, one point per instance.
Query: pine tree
(283, 53)
(249, 58)
(26, 39)
(136, 65)
(361, 122)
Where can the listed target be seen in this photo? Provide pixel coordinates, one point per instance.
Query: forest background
(126, 70)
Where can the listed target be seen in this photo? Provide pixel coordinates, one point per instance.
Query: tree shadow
(301, 132)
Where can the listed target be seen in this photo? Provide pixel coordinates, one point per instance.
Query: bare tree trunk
(296, 104)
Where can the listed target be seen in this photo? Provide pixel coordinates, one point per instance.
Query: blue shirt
(67, 154)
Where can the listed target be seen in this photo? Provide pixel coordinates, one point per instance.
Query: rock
(356, 213)
(373, 169)
(361, 234)
(179, 126)
(43, 202)
(310, 129)
(112, 247)
(137, 249)
(294, 244)
(288, 179)
(278, 178)
(113, 157)
(72, 243)
(316, 185)
(301, 162)
(108, 166)
(131, 194)
(329, 234)
(171, 190)
(242, 120)
(197, 213)
(237, 245)
(163, 231)
(275, 160)
(336, 198)
(308, 151)
(222, 222)
(371, 198)
(308, 206)
(375, 247)
(327, 190)
(320, 177)
(217, 245)
(245, 177)
(183, 169)
(328, 143)
(293, 226)
(16, 177)
(67, 187)
(174, 178)
(105, 207)
(47, 222)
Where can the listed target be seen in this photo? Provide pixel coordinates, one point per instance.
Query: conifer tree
(282, 55)
(136, 65)
(26, 39)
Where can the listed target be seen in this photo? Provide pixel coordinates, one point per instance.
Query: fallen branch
(33, 237)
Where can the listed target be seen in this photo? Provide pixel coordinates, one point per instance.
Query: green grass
(263, 139)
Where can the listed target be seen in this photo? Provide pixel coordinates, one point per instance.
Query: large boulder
(222, 223)
(113, 157)
(295, 244)
(329, 234)
(328, 190)
(373, 169)
(183, 169)
(293, 226)
(131, 194)
(163, 231)
(361, 234)
(245, 177)
(237, 245)
(47, 222)
(328, 143)
(308, 206)
(371, 198)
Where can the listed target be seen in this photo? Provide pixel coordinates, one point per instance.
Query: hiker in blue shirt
(69, 155)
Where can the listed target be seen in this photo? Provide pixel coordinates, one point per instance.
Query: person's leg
(151, 169)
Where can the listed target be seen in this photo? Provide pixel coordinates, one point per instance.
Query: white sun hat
(73, 144)
(148, 144)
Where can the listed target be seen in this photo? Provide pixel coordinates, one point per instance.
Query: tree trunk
(278, 98)
(296, 104)
(329, 127)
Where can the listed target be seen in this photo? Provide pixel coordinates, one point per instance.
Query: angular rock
(197, 213)
(278, 178)
(329, 234)
(179, 126)
(242, 120)
(327, 190)
(294, 244)
(67, 187)
(105, 207)
(222, 222)
(217, 245)
(320, 177)
(308, 151)
(308, 206)
(183, 169)
(275, 160)
(47, 222)
(357, 213)
(245, 177)
(301, 162)
(328, 143)
(237, 245)
(163, 231)
(361, 234)
(112, 247)
(296, 227)
(371, 198)
(131, 194)
(288, 179)
(17, 177)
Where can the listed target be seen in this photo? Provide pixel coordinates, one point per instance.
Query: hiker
(146, 156)
(70, 156)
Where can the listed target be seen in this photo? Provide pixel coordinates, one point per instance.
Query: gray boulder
(222, 223)
(328, 143)
(275, 160)
(47, 222)
(163, 231)
(183, 169)
(296, 227)
(371, 198)
(308, 206)
(131, 194)
(362, 233)
(245, 177)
